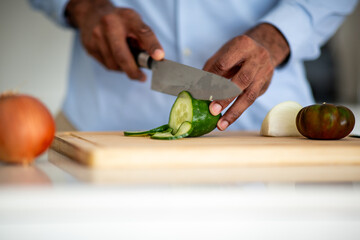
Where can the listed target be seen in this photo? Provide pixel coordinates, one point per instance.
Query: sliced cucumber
(189, 117)
(186, 108)
(184, 131)
(148, 132)
(181, 111)
(163, 135)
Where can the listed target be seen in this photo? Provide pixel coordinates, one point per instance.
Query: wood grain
(109, 150)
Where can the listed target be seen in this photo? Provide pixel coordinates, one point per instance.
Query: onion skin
(26, 128)
(325, 121)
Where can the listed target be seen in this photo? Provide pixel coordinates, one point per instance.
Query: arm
(292, 30)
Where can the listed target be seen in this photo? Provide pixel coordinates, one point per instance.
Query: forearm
(271, 38)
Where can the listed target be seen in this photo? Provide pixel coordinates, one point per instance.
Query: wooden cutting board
(109, 150)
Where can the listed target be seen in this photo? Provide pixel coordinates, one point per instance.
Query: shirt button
(187, 52)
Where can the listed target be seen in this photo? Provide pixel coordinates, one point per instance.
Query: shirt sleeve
(307, 24)
(54, 9)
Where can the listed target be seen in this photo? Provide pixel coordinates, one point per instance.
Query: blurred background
(35, 54)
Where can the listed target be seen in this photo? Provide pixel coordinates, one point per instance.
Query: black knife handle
(142, 59)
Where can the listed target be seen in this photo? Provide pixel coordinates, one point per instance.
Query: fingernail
(216, 109)
(223, 124)
(158, 54)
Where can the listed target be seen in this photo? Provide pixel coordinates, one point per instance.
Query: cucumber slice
(148, 132)
(184, 131)
(186, 108)
(163, 136)
(189, 117)
(181, 111)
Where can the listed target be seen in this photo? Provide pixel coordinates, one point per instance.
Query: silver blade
(172, 78)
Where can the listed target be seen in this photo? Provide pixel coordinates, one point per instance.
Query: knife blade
(171, 78)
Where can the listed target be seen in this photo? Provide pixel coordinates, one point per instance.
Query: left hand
(249, 60)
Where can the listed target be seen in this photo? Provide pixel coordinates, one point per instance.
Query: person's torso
(190, 31)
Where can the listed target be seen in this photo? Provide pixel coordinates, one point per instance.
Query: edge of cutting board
(71, 150)
(204, 176)
(192, 153)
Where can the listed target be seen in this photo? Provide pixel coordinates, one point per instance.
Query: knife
(171, 78)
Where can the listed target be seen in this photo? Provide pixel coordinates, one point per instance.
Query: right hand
(105, 31)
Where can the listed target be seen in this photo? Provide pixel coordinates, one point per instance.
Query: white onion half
(281, 120)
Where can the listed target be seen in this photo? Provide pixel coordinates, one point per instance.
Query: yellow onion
(26, 128)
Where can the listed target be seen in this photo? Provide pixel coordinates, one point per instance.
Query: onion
(26, 128)
(281, 120)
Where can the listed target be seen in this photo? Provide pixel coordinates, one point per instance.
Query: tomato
(325, 121)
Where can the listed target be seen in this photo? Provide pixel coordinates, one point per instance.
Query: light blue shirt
(191, 31)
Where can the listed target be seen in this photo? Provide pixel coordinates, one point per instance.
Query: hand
(105, 31)
(249, 60)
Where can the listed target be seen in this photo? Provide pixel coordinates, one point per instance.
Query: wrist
(77, 10)
(271, 39)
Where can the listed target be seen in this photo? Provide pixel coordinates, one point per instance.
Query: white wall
(34, 53)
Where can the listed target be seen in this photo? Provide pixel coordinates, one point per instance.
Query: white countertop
(44, 202)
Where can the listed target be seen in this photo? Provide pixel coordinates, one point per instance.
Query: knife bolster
(144, 60)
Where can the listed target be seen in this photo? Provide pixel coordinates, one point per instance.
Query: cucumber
(163, 136)
(186, 108)
(148, 132)
(183, 131)
(189, 117)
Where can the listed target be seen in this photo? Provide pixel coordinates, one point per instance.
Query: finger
(257, 87)
(92, 49)
(217, 106)
(240, 105)
(228, 62)
(148, 40)
(210, 62)
(104, 49)
(123, 57)
(98, 56)
(222, 65)
(95, 52)
(245, 76)
(268, 71)
(226, 74)
(116, 38)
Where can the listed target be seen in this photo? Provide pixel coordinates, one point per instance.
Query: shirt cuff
(54, 9)
(294, 23)
(58, 12)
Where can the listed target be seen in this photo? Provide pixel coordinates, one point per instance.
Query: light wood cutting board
(109, 150)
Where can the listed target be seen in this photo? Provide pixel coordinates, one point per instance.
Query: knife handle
(142, 59)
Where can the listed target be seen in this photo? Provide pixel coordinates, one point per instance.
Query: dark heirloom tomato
(325, 121)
